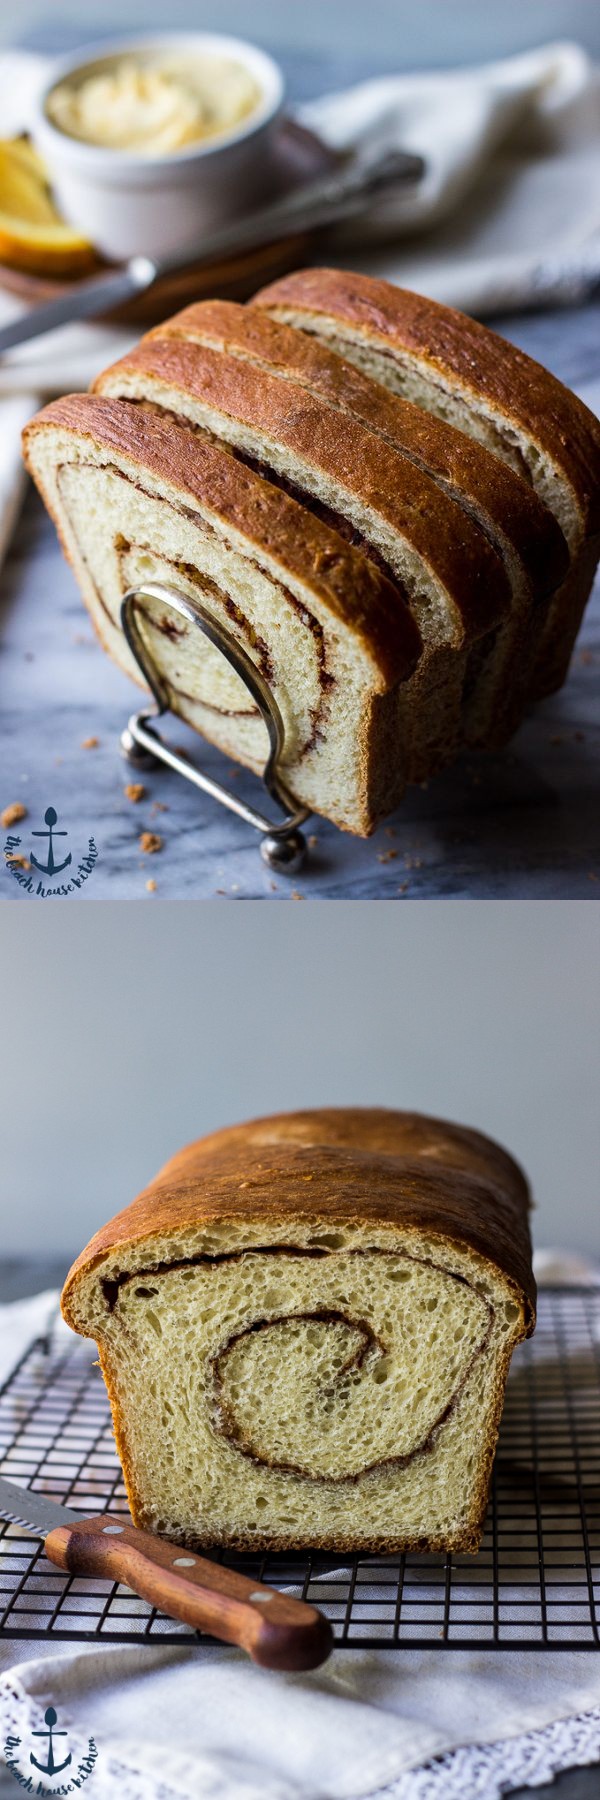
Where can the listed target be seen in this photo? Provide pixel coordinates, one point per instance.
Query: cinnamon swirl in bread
(456, 368)
(305, 1325)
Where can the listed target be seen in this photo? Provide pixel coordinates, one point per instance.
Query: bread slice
(305, 1326)
(138, 497)
(513, 518)
(455, 367)
(451, 575)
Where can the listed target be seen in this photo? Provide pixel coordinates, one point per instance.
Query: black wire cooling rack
(535, 1582)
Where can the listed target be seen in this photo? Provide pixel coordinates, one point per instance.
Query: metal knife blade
(34, 1511)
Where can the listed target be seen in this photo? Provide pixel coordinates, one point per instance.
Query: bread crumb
(135, 791)
(91, 743)
(312, 842)
(12, 814)
(404, 887)
(150, 842)
(387, 856)
(592, 876)
(296, 896)
(21, 862)
(151, 887)
(158, 806)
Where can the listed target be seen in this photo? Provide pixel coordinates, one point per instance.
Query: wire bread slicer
(282, 846)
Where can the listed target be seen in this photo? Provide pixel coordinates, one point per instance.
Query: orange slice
(33, 235)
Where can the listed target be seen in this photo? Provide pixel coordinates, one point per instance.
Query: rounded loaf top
(335, 1165)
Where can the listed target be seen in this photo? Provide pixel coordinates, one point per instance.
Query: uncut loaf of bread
(305, 1326)
(459, 370)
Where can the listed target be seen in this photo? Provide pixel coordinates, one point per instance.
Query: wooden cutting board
(301, 158)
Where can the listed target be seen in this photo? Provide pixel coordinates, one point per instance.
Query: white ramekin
(131, 205)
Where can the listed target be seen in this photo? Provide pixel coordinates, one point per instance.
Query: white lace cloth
(170, 1724)
(486, 1771)
(420, 1725)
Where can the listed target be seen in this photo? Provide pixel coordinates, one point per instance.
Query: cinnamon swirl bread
(305, 1326)
(402, 585)
(456, 368)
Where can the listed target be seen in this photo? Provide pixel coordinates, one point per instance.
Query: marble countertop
(521, 825)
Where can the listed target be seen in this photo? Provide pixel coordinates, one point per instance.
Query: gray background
(431, 33)
(127, 1031)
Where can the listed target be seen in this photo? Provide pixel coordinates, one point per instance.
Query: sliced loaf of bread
(453, 366)
(439, 566)
(515, 520)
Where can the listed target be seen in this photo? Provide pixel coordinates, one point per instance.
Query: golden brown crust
(494, 492)
(338, 1165)
(451, 343)
(346, 582)
(344, 452)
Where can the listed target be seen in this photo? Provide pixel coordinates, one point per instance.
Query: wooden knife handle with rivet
(277, 1631)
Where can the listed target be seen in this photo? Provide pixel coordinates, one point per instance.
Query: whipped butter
(154, 107)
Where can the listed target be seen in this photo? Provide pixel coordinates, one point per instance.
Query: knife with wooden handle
(277, 1631)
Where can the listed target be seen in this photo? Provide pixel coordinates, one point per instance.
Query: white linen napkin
(207, 1723)
(419, 1725)
(508, 211)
